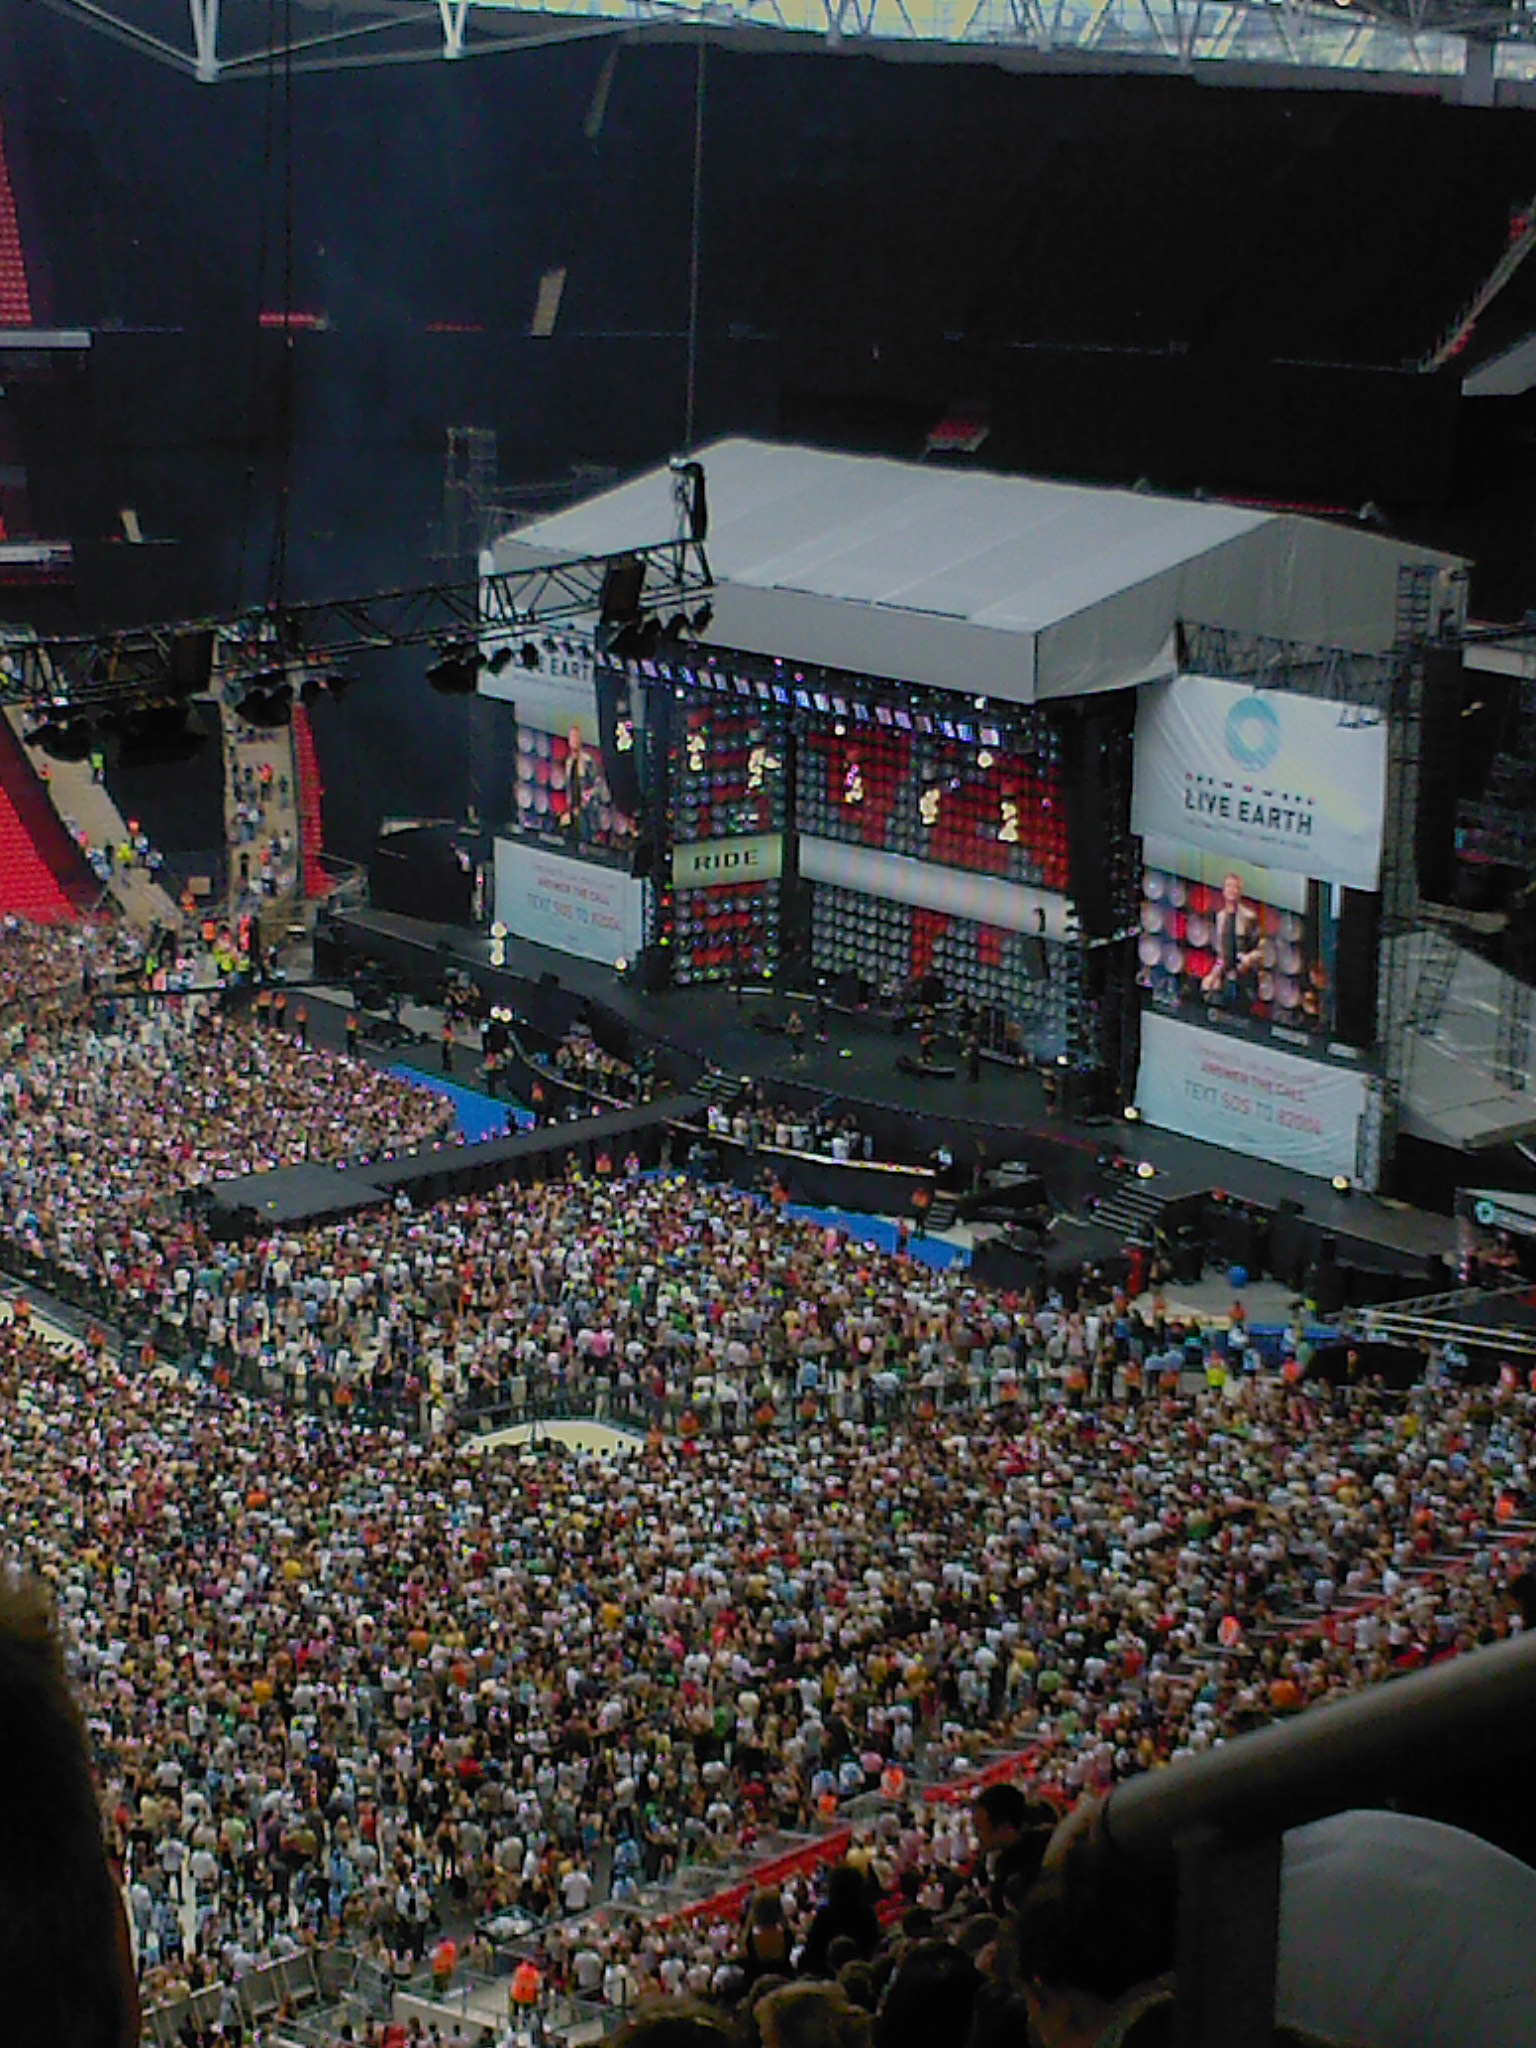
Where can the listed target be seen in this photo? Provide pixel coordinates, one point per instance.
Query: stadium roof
(1002, 585)
(1470, 50)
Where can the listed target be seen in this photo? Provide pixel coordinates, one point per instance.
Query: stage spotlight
(314, 687)
(704, 618)
(1132, 1113)
(1342, 1184)
(528, 654)
(63, 739)
(501, 660)
(1145, 1170)
(454, 672)
(268, 705)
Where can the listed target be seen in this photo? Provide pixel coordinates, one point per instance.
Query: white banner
(1298, 1113)
(556, 694)
(709, 863)
(1011, 906)
(1248, 775)
(574, 905)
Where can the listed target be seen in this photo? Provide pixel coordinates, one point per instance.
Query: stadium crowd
(113, 1104)
(338, 1673)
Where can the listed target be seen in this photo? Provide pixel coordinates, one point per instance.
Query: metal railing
(1217, 1820)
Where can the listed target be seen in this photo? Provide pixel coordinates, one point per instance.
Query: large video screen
(1237, 940)
(1259, 814)
(1261, 817)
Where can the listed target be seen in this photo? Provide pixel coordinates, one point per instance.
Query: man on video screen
(1236, 942)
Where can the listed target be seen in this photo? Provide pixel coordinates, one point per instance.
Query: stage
(1006, 1114)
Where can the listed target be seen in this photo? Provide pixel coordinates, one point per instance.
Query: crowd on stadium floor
(113, 1103)
(334, 1673)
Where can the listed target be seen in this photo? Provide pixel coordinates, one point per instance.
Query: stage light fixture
(264, 698)
(1341, 1184)
(268, 709)
(455, 670)
(703, 618)
(63, 739)
(1145, 1170)
(527, 654)
(1132, 1113)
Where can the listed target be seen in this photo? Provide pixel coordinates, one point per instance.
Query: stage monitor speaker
(1188, 1264)
(923, 1071)
(623, 581)
(1355, 968)
(655, 970)
(1328, 1287)
(1440, 750)
(1289, 1246)
(1327, 1250)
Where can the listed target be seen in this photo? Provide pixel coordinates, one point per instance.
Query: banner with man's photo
(1261, 817)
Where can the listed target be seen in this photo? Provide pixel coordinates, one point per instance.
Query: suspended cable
(693, 246)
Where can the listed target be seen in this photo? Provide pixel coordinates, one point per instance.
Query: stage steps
(1132, 1207)
(943, 1211)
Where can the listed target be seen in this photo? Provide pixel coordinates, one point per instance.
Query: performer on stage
(1236, 945)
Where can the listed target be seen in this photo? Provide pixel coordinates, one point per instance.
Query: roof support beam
(205, 39)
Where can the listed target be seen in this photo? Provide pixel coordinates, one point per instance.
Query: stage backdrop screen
(1302, 1114)
(574, 905)
(1293, 784)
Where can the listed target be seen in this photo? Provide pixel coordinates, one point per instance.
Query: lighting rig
(139, 682)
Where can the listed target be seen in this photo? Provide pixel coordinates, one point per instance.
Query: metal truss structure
(1465, 49)
(78, 674)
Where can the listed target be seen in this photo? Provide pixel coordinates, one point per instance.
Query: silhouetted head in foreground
(66, 1973)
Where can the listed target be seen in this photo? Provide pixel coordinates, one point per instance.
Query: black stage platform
(319, 1194)
(1003, 1115)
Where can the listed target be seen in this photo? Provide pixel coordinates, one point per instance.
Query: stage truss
(1465, 49)
(82, 673)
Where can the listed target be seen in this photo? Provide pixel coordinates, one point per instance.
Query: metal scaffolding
(1468, 50)
(72, 673)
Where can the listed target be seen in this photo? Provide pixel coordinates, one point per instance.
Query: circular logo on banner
(1253, 733)
(1485, 1211)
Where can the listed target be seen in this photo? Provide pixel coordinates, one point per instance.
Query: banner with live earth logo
(1288, 782)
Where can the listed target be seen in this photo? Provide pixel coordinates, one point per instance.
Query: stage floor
(1005, 1111)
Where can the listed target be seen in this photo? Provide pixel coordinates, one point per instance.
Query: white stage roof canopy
(1001, 585)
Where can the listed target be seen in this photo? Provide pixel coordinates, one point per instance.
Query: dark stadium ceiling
(1465, 50)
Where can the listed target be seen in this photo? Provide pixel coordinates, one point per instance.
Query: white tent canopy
(1001, 585)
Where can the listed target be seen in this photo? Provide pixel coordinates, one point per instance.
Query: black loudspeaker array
(1440, 728)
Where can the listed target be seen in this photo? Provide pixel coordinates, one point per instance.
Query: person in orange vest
(523, 1991)
(354, 1030)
